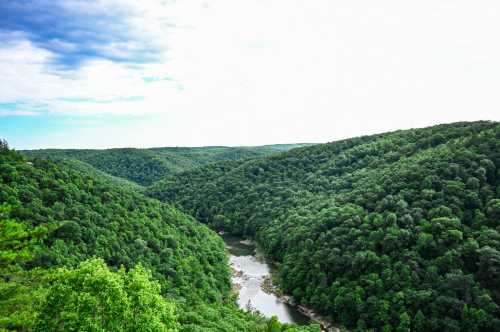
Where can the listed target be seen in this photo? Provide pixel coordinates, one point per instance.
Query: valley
(250, 272)
(388, 232)
(376, 231)
(249, 166)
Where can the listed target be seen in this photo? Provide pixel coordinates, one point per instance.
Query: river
(251, 271)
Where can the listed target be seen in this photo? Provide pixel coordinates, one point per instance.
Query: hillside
(79, 252)
(393, 231)
(93, 172)
(145, 166)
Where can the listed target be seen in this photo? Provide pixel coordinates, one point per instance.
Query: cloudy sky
(114, 73)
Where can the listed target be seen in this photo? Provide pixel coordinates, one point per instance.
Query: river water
(251, 271)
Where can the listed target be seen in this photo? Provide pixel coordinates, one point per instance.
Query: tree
(16, 240)
(404, 323)
(93, 298)
(4, 145)
(419, 322)
(493, 210)
(16, 247)
(473, 319)
(273, 325)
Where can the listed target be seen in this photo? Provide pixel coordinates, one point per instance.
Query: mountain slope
(93, 217)
(145, 166)
(122, 227)
(391, 231)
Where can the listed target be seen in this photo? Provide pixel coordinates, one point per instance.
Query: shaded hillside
(394, 231)
(145, 166)
(57, 285)
(95, 173)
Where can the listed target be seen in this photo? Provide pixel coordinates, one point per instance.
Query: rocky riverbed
(252, 281)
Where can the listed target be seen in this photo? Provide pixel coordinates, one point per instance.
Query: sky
(127, 73)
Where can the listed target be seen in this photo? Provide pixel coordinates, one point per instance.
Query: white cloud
(75, 92)
(18, 113)
(289, 70)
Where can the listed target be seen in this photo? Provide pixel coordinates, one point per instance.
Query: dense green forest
(392, 232)
(83, 251)
(145, 166)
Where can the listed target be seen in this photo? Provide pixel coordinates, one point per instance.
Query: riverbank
(249, 271)
(265, 284)
(325, 323)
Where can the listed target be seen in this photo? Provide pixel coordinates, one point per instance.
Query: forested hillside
(145, 166)
(395, 231)
(79, 252)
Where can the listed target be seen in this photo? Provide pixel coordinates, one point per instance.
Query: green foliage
(17, 246)
(52, 282)
(93, 298)
(20, 294)
(14, 240)
(390, 231)
(121, 226)
(273, 325)
(145, 166)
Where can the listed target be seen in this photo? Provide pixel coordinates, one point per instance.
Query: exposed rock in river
(251, 278)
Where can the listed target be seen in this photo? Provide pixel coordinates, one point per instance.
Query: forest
(80, 252)
(397, 231)
(391, 232)
(146, 166)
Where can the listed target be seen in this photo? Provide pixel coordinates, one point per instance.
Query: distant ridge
(145, 166)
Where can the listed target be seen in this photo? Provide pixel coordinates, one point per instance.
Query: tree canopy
(80, 251)
(93, 298)
(393, 231)
(145, 166)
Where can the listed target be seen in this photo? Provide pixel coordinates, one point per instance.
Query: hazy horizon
(229, 146)
(168, 146)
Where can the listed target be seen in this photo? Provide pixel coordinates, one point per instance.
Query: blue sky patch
(76, 31)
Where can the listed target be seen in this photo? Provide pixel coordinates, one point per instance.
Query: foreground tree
(93, 298)
(17, 241)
